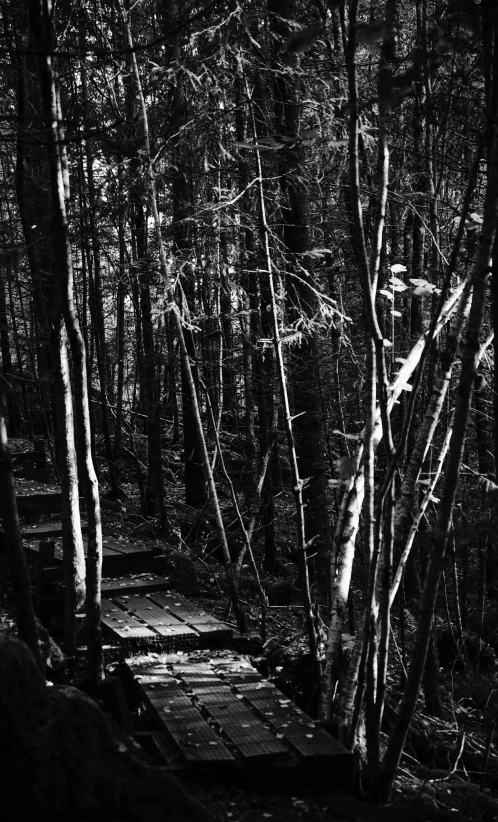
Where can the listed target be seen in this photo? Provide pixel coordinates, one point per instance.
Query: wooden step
(38, 532)
(197, 743)
(50, 529)
(139, 584)
(31, 465)
(33, 506)
(243, 728)
(172, 621)
(36, 499)
(306, 737)
(118, 556)
(19, 457)
(123, 625)
(183, 608)
(197, 704)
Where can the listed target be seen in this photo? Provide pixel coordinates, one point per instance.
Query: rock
(60, 758)
(24, 703)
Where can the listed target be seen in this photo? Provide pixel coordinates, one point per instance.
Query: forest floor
(436, 780)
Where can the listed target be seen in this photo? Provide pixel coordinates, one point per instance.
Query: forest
(248, 302)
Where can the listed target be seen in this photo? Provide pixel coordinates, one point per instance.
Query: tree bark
(303, 305)
(74, 556)
(41, 18)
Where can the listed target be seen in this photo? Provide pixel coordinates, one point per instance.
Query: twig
(400, 658)
(455, 766)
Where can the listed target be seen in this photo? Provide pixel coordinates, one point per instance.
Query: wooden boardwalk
(35, 499)
(143, 583)
(31, 465)
(149, 615)
(221, 714)
(119, 556)
(33, 533)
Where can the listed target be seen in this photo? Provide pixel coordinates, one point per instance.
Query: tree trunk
(31, 184)
(195, 485)
(13, 414)
(74, 556)
(120, 319)
(96, 296)
(304, 386)
(42, 26)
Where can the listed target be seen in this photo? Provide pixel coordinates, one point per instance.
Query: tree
(41, 23)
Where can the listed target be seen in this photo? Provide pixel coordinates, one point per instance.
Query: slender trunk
(15, 334)
(13, 415)
(96, 297)
(303, 303)
(42, 22)
(297, 482)
(120, 319)
(74, 556)
(31, 176)
(431, 418)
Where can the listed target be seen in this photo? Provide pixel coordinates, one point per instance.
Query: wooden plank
(33, 548)
(39, 499)
(28, 499)
(124, 625)
(214, 630)
(126, 547)
(32, 506)
(181, 708)
(155, 618)
(113, 561)
(237, 720)
(34, 499)
(52, 529)
(38, 532)
(304, 735)
(107, 550)
(18, 457)
(206, 624)
(143, 583)
(198, 743)
(181, 607)
(146, 610)
(33, 487)
(125, 556)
